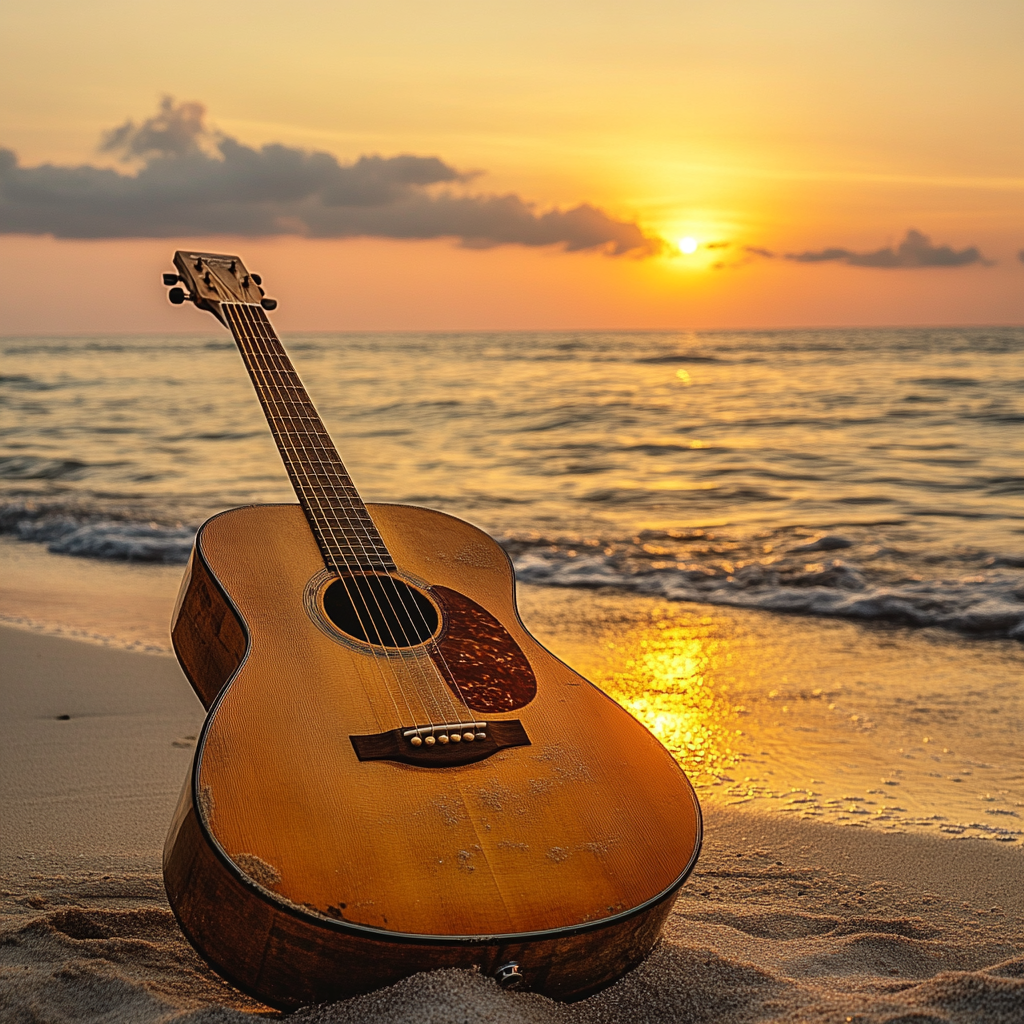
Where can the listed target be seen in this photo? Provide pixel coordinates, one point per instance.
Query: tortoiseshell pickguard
(492, 672)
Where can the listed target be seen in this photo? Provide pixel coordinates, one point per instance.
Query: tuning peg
(177, 296)
(170, 279)
(268, 304)
(257, 278)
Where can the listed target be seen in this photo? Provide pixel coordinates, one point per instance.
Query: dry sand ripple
(750, 940)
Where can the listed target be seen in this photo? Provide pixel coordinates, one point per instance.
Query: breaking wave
(827, 574)
(70, 530)
(846, 575)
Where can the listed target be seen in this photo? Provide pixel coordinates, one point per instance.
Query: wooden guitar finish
(320, 851)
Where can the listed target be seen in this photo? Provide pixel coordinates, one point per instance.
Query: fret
(315, 440)
(348, 528)
(354, 545)
(285, 393)
(301, 425)
(293, 392)
(343, 529)
(287, 401)
(320, 477)
(361, 526)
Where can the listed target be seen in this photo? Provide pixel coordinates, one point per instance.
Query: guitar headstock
(212, 278)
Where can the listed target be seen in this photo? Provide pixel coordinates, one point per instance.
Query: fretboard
(342, 527)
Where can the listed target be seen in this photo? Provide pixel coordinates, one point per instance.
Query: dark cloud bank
(916, 250)
(194, 181)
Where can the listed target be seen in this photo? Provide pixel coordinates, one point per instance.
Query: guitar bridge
(441, 746)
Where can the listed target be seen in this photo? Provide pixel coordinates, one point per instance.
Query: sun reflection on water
(665, 682)
(816, 720)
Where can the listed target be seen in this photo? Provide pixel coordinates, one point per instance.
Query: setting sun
(688, 245)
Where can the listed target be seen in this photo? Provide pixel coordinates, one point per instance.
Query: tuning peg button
(177, 296)
(268, 304)
(257, 278)
(170, 279)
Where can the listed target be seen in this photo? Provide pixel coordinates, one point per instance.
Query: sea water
(871, 479)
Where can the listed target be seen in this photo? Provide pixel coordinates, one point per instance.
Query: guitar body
(306, 868)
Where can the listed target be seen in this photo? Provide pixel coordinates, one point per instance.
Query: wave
(32, 467)
(794, 570)
(116, 536)
(979, 594)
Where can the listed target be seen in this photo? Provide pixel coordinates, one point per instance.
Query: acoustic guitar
(393, 775)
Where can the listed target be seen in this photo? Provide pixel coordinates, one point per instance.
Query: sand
(783, 920)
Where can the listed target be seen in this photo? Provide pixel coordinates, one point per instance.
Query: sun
(688, 245)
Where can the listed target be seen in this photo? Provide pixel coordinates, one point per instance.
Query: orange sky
(786, 126)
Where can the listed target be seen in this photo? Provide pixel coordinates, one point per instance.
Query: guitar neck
(343, 529)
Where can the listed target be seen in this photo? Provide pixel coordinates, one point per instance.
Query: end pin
(508, 975)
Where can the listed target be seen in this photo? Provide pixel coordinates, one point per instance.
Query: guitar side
(303, 874)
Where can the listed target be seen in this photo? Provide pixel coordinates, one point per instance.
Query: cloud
(194, 181)
(916, 250)
(747, 254)
(175, 131)
(1020, 255)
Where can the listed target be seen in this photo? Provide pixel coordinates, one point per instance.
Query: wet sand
(783, 920)
(823, 720)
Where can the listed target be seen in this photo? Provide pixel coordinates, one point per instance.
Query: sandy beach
(783, 920)
(710, 316)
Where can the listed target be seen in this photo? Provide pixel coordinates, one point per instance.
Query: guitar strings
(285, 440)
(361, 530)
(304, 411)
(300, 465)
(358, 523)
(245, 315)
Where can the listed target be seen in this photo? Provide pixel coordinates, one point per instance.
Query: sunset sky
(826, 162)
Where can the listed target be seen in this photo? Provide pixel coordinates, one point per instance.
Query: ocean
(865, 474)
(851, 496)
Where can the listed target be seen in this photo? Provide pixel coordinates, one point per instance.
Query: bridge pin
(456, 737)
(481, 735)
(442, 738)
(430, 741)
(469, 736)
(416, 741)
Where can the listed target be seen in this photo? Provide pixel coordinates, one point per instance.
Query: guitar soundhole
(381, 610)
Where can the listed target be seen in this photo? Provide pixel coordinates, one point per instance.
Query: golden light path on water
(823, 719)
(666, 684)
